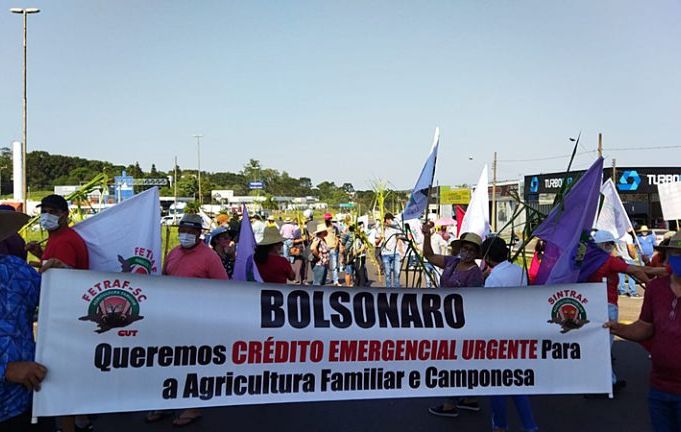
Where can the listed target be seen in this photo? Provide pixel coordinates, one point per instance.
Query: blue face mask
(675, 264)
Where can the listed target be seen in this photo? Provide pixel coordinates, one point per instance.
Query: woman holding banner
(273, 267)
(458, 271)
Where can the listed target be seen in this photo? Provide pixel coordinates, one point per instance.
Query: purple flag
(566, 229)
(244, 266)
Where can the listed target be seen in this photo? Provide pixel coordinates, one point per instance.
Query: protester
(458, 271)
(536, 261)
(64, 244)
(288, 232)
(600, 263)
(503, 273)
(14, 244)
(333, 243)
(647, 241)
(359, 265)
(191, 259)
(391, 249)
(660, 255)
(19, 374)
(348, 241)
(659, 324)
(297, 252)
(222, 241)
(319, 255)
(271, 222)
(258, 227)
(273, 267)
(627, 250)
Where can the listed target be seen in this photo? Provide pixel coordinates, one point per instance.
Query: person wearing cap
(600, 263)
(193, 258)
(273, 267)
(391, 250)
(14, 244)
(647, 241)
(659, 258)
(19, 295)
(458, 271)
(319, 255)
(659, 326)
(65, 247)
(504, 273)
(222, 242)
(333, 243)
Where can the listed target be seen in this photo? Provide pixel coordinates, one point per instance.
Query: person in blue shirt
(19, 374)
(647, 241)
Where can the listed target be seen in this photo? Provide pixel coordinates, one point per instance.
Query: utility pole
(25, 12)
(198, 151)
(614, 171)
(600, 144)
(175, 192)
(494, 193)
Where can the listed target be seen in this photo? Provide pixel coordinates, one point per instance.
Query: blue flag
(566, 229)
(244, 266)
(418, 200)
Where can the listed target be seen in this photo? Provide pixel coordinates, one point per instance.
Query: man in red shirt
(660, 325)
(610, 270)
(64, 247)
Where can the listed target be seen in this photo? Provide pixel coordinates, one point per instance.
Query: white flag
(127, 237)
(476, 219)
(613, 217)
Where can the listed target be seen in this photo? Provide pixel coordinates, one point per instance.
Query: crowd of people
(333, 252)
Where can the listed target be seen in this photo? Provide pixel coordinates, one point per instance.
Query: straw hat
(674, 242)
(470, 238)
(288, 220)
(271, 236)
(644, 228)
(321, 228)
(11, 222)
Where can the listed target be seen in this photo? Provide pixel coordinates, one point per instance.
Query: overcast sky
(347, 90)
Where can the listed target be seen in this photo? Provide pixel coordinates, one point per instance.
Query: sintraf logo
(534, 184)
(568, 310)
(113, 304)
(629, 181)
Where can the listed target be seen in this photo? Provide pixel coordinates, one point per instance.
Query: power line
(545, 158)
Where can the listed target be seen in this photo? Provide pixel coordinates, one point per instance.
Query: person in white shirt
(258, 227)
(505, 274)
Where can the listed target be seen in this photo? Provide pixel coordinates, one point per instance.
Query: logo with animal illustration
(113, 304)
(568, 310)
(141, 262)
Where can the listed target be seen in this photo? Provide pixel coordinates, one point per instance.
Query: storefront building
(637, 187)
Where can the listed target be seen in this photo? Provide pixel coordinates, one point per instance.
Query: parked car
(171, 219)
(659, 234)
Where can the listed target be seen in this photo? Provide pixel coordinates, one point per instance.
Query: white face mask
(49, 221)
(187, 240)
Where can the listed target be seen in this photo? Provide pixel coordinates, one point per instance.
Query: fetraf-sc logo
(568, 310)
(113, 303)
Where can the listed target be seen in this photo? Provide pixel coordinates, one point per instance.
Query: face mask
(466, 256)
(608, 248)
(49, 221)
(675, 264)
(187, 240)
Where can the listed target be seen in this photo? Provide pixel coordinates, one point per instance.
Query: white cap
(603, 236)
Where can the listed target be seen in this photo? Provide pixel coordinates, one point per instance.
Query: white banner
(124, 342)
(670, 200)
(126, 237)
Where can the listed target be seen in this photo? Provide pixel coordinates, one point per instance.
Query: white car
(171, 219)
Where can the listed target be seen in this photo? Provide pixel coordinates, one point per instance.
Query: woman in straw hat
(659, 325)
(273, 267)
(459, 271)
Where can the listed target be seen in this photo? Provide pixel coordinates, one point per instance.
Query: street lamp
(198, 154)
(25, 12)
